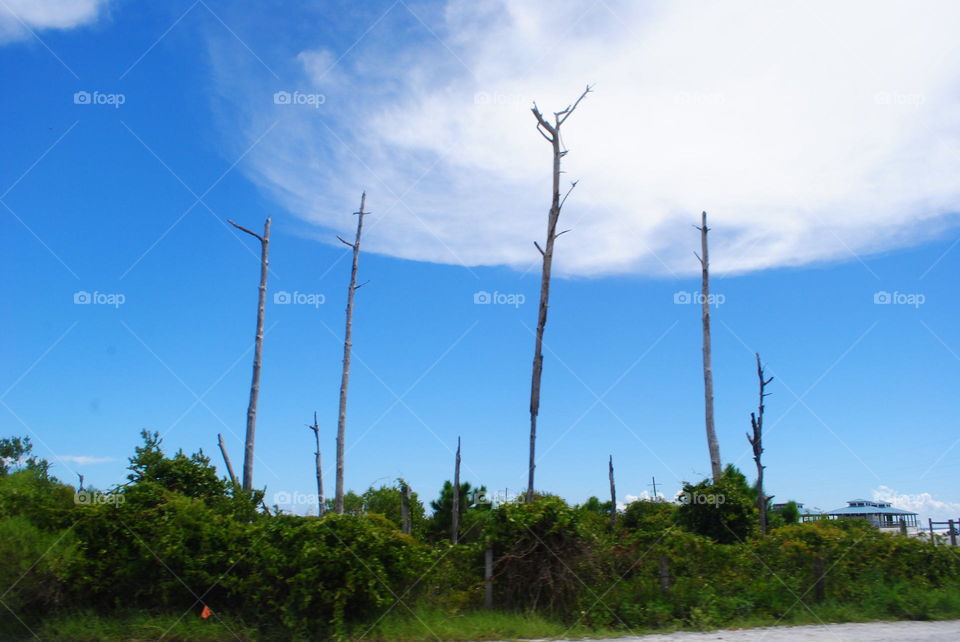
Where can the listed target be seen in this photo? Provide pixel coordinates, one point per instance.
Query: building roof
(868, 507)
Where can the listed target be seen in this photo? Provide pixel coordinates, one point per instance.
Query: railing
(878, 522)
(953, 528)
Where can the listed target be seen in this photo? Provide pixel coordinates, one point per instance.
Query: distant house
(802, 511)
(881, 514)
(782, 505)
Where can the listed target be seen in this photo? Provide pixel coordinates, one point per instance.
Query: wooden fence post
(664, 574)
(953, 534)
(932, 537)
(488, 578)
(818, 572)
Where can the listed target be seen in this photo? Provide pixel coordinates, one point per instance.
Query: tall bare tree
(316, 434)
(613, 497)
(715, 465)
(406, 524)
(226, 458)
(455, 512)
(257, 352)
(756, 422)
(347, 345)
(551, 132)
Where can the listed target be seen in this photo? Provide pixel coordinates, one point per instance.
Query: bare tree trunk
(405, 522)
(551, 132)
(257, 352)
(226, 459)
(347, 345)
(455, 512)
(613, 498)
(316, 434)
(712, 444)
(756, 422)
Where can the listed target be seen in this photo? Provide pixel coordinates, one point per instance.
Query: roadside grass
(429, 623)
(90, 627)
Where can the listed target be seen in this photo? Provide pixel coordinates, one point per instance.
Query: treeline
(176, 538)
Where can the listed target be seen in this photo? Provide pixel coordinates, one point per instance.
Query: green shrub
(317, 575)
(30, 493)
(544, 556)
(650, 515)
(723, 510)
(33, 565)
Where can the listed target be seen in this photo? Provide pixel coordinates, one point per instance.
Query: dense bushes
(544, 555)
(316, 576)
(177, 537)
(33, 565)
(710, 584)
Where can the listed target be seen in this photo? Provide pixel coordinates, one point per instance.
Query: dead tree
(347, 345)
(316, 434)
(756, 422)
(406, 524)
(226, 459)
(613, 498)
(551, 132)
(257, 352)
(455, 512)
(715, 465)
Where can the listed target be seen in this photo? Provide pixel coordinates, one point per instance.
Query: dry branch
(756, 441)
(226, 459)
(551, 132)
(347, 345)
(316, 434)
(712, 443)
(257, 353)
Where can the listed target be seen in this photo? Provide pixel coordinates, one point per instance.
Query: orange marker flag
(206, 612)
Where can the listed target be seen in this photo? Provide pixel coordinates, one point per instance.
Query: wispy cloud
(85, 460)
(811, 131)
(19, 17)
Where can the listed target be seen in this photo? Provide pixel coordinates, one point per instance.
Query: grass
(89, 627)
(430, 624)
(426, 623)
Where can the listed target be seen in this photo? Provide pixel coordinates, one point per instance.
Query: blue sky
(131, 200)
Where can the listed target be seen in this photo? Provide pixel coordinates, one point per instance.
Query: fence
(952, 530)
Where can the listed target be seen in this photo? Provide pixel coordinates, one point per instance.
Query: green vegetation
(143, 559)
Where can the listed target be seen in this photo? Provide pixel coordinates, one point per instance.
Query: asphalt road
(868, 632)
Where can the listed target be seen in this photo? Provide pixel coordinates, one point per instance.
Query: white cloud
(646, 496)
(84, 460)
(923, 504)
(810, 131)
(19, 17)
